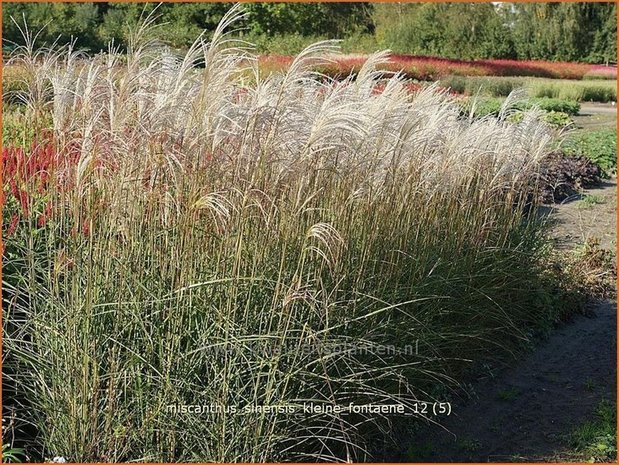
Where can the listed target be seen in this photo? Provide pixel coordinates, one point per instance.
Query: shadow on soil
(525, 412)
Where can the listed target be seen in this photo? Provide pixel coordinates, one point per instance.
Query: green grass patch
(588, 201)
(596, 440)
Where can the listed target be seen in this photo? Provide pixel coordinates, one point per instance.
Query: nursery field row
(433, 68)
(603, 91)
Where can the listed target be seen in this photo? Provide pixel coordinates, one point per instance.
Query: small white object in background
(59, 460)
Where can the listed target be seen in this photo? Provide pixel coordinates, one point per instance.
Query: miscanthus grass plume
(216, 237)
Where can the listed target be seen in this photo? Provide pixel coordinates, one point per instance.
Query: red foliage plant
(29, 174)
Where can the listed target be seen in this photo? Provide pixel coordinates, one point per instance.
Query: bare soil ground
(526, 412)
(596, 116)
(578, 219)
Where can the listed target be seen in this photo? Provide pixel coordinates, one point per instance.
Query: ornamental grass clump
(234, 242)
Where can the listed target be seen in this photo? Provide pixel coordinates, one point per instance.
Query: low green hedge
(492, 106)
(550, 104)
(564, 89)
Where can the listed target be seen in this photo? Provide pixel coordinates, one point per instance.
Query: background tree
(565, 31)
(466, 30)
(55, 21)
(543, 31)
(334, 19)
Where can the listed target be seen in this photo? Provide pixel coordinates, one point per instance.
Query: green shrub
(599, 93)
(502, 87)
(360, 43)
(557, 105)
(550, 104)
(457, 84)
(493, 86)
(288, 44)
(292, 44)
(557, 119)
(600, 146)
(482, 107)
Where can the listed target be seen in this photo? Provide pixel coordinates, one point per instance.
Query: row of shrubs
(496, 86)
(427, 68)
(557, 109)
(580, 91)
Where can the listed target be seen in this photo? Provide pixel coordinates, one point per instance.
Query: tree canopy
(550, 31)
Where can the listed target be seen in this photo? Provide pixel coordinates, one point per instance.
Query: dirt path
(524, 413)
(596, 116)
(578, 219)
(588, 108)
